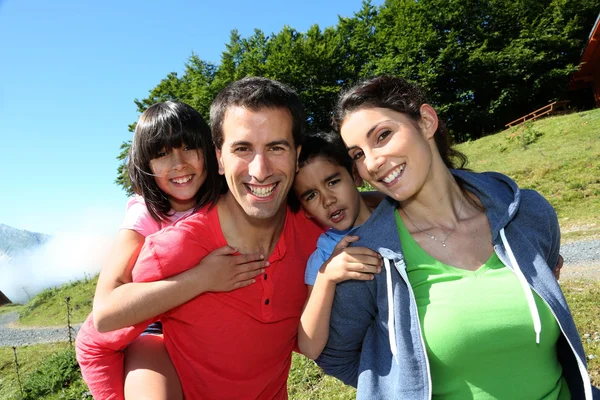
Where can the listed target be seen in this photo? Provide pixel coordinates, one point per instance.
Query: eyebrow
(330, 177)
(281, 142)
(370, 132)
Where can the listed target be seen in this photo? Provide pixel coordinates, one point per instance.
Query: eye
(383, 135)
(241, 149)
(278, 149)
(310, 196)
(333, 182)
(161, 153)
(357, 155)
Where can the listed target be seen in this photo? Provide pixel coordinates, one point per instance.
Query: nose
(177, 159)
(373, 162)
(328, 199)
(260, 167)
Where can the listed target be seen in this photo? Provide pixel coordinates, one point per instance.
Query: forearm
(313, 330)
(135, 302)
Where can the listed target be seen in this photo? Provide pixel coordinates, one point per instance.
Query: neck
(438, 203)
(363, 212)
(249, 235)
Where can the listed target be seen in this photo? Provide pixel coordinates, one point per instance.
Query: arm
(353, 312)
(119, 302)
(345, 263)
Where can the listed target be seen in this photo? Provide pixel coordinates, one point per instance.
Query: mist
(67, 256)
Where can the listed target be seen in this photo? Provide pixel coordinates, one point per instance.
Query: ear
(428, 121)
(298, 149)
(220, 161)
(358, 180)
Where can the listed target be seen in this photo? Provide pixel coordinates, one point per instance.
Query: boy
(326, 188)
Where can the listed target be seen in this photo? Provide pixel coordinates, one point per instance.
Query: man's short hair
(256, 93)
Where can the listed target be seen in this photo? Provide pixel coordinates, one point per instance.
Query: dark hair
(256, 93)
(169, 125)
(396, 94)
(328, 145)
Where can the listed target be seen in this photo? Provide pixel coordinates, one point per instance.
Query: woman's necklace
(443, 242)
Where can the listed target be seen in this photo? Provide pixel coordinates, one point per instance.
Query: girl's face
(179, 173)
(391, 150)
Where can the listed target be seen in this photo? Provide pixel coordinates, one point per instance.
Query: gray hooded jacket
(375, 341)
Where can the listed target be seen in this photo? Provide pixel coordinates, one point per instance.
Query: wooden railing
(550, 108)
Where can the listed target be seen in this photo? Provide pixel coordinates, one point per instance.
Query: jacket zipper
(404, 276)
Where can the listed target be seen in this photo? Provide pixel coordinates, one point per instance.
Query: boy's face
(328, 193)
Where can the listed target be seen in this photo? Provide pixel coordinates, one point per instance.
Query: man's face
(258, 158)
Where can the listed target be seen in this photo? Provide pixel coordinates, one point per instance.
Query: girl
(173, 169)
(468, 306)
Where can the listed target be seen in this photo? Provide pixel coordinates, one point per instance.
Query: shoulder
(535, 208)
(302, 227)
(196, 227)
(137, 218)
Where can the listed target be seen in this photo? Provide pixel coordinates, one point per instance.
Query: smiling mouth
(182, 179)
(394, 174)
(261, 191)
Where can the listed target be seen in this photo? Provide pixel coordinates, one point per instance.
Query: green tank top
(478, 331)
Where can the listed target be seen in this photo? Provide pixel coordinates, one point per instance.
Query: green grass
(559, 157)
(582, 297)
(49, 308)
(306, 380)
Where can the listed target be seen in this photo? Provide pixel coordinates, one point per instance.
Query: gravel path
(10, 336)
(582, 261)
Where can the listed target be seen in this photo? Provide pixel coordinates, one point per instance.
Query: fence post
(69, 327)
(17, 369)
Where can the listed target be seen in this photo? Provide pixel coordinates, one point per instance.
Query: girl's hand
(345, 263)
(222, 271)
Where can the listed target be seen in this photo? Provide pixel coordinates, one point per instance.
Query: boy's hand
(345, 263)
(222, 271)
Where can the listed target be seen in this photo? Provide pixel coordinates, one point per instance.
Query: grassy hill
(557, 156)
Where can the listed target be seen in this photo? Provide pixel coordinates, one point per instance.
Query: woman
(468, 307)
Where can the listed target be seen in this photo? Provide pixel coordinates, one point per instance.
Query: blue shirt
(325, 245)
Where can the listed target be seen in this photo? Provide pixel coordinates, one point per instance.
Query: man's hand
(345, 263)
(223, 271)
(559, 265)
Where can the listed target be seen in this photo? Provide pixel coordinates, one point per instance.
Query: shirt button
(267, 302)
(265, 276)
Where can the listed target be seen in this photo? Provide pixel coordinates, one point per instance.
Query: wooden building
(3, 299)
(585, 83)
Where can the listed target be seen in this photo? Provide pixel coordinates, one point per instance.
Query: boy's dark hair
(256, 93)
(327, 145)
(169, 125)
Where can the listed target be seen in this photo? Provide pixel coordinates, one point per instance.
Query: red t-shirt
(228, 345)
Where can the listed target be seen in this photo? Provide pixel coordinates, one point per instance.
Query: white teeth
(261, 191)
(394, 174)
(183, 179)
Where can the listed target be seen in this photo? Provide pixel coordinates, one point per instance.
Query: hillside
(557, 156)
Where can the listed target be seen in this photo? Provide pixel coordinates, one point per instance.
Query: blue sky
(69, 72)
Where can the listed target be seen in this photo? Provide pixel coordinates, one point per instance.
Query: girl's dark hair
(396, 94)
(169, 125)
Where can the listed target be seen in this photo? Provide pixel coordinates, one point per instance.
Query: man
(239, 344)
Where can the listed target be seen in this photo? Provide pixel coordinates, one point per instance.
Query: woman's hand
(559, 265)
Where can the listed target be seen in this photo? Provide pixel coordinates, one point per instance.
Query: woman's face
(391, 150)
